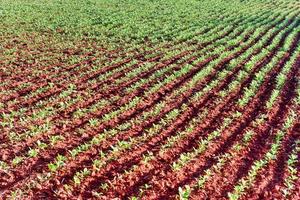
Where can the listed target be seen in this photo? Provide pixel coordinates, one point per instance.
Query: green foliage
(184, 194)
(113, 20)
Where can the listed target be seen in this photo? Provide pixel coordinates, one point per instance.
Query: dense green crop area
(115, 20)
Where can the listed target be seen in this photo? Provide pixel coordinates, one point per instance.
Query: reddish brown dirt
(112, 91)
(223, 84)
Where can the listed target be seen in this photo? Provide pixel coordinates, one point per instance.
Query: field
(140, 99)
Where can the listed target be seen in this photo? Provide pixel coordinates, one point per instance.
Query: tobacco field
(150, 99)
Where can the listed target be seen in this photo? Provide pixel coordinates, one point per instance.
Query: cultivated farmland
(140, 99)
